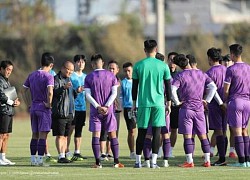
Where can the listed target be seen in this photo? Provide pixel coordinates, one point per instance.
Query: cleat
(119, 165)
(97, 166)
(77, 157)
(8, 162)
(165, 163)
(64, 160)
(110, 157)
(50, 159)
(247, 164)
(219, 163)
(137, 165)
(232, 155)
(132, 155)
(146, 164)
(238, 165)
(33, 164)
(42, 164)
(3, 163)
(187, 165)
(206, 164)
(154, 166)
(104, 157)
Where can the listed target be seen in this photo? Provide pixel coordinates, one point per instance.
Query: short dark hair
(95, 57)
(149, 45)
(79, 56)
(160, 56)
(127, 64)
(113, 61)
(191, 59)
(236, 49)
(47, 59)
(214, 54)
(172, 53)
(181, 60)
(226, 58)
(4, 64)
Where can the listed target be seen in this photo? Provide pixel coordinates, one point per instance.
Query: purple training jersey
(238, 76)
(217, 73)
(191, 84)
(38, 82)
(100, 83)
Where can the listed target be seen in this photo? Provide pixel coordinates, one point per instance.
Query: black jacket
(63, 99)
(4, 107)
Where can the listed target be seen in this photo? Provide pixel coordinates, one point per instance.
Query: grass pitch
(18, 151)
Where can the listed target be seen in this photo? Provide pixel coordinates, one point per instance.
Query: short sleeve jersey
(77, 81)
(217, 73)
(238, 76)
(38, 83)
(100, 83)
(151, 74)
(126, 93)
(191, 84)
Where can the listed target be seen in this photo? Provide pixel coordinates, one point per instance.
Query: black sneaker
(104, 157)
(219, 163)
(78, 157)
(64, 160)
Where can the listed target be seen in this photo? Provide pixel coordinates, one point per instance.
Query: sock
(96, 148)
(220, 141)
(193, 145)
(3, 156)
(68, 154)
(226, 144)
(246, 147)
(39, 159)
(166, 148)
(189, 158)
(232, 149)
(212, 150)
(154, 158)
(239, 148)
(171, 150)
(188, 146)
(160, 151)
(33, 146)
(33, 158)
(41, 146)
(48, 155)
(77, 151)
(206, 157)
(205, 146)
(147, 148)
(115, 149)
(61, 155)
(138, 159)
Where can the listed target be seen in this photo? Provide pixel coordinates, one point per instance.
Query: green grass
(18, 152)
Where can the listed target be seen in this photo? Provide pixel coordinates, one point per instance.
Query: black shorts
(61, 127)
(130, 122)
(6, 124)
(79, 122)
(174, 117)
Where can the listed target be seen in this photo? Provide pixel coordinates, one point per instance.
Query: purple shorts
(40, 121)
(98, 122)
(192, 122)
(238, 113)
(164, 129)
(216, 118)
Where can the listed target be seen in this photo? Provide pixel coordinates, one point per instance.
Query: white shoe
(103, 157)
(165, 163)
(154, 166)
(9, 162)
(132, 155)
(3, 163)
(146, 164)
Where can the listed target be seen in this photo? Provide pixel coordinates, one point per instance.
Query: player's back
(239, 75)
(192, 84)
(100, 83)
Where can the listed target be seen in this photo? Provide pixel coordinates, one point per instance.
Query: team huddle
(158, 99)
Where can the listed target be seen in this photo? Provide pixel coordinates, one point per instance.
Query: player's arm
(135, 83)
(112, 96)
(26, 96)
(211, 90)
(174, 97)
(218, 98)
(48, 104)
(168, 93)
(90, 98)
(226, 90)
